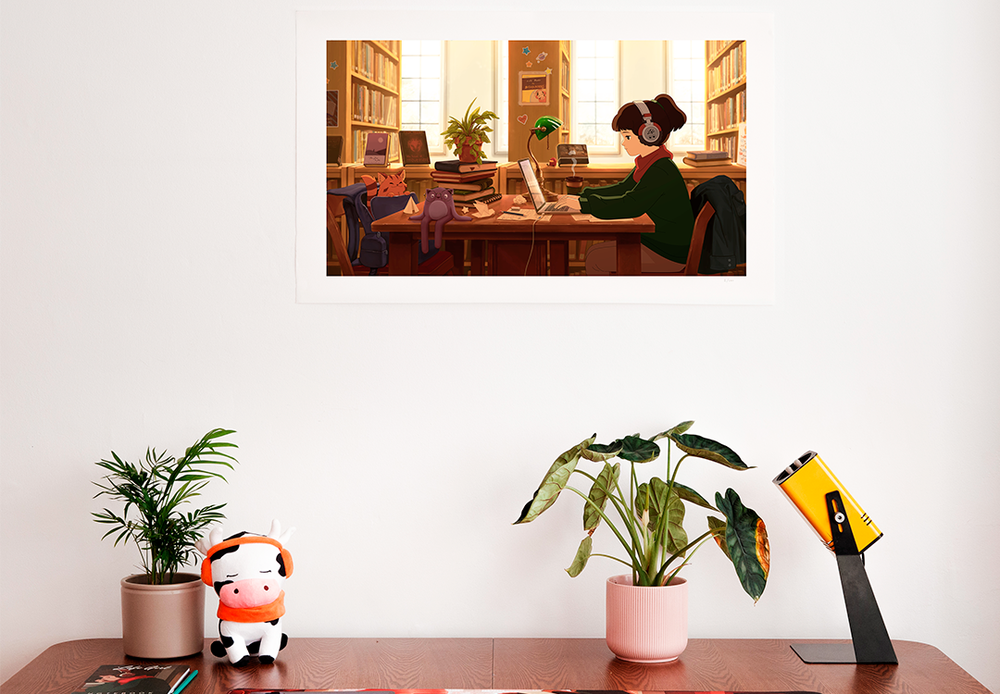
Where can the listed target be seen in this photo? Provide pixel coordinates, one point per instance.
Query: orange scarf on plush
(249, 615)
(642, 163)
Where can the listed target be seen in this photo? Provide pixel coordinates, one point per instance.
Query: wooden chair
(334, 209)
(697, 243)
(441, 263)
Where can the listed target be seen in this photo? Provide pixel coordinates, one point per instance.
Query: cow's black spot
(274, 622)
(223, 552)
(267, 659)
(281, 565)
(219, 585)
(218, 650)
(227, 641)
(284, 641)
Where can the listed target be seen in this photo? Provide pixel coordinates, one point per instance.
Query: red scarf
(643, 162)
(249, 615)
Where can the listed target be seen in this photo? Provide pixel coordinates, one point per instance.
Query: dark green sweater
(661, 194)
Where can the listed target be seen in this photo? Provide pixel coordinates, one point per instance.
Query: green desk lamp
(544, 126)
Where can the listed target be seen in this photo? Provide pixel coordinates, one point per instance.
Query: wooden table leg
(629, 256)
(558, 258)
(402, 254)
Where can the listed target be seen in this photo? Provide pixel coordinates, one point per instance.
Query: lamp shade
(545, 126)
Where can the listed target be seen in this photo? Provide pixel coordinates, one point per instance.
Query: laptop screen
(534, 189)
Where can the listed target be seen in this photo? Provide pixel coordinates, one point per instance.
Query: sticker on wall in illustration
(533, 89)
(332, 108)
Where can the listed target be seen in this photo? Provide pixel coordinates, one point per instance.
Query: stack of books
(470, 182)
(710, 157)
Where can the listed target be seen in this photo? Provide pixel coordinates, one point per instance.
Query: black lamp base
(828, 653)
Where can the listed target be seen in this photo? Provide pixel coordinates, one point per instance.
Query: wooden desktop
(516, 665)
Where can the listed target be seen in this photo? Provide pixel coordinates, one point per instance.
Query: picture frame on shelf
(334, 149)
(413, 147)
(569, 155)
(377, 149)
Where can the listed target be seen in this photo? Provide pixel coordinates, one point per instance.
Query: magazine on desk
(138, 679)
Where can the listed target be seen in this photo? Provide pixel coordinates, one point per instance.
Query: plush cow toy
(248, 572)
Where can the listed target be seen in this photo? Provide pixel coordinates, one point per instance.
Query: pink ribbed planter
(646, 625)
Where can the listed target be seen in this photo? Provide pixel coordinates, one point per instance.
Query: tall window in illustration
(421, 107)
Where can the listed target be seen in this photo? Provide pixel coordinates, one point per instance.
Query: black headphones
(649, 132)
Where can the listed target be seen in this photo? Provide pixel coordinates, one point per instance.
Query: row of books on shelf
(730, 71)
(372, 106)
(471, 182)
(374, 65)
(147, 678)
(734, 146)
(727, 114)
(715, 48)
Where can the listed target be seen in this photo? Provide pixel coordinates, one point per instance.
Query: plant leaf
(599, 452)
(679, 429)
(688, 494)
(581, 558)
(639, 450)
(553, 483)
(604, 483)
(700, 447)
(746, 539)
(718, 528)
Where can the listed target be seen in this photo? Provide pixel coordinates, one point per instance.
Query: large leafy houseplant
(153, 492)
(652, 513)
(469, 132)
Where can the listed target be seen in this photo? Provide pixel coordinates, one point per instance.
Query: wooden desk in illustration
(516, 247)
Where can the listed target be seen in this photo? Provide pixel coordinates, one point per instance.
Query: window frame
(441, 149)
(615, 149)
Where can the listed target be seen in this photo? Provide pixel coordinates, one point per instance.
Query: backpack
(726, 235)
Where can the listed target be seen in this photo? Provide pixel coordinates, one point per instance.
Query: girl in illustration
(654, 187)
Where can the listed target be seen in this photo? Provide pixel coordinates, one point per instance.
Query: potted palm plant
(466, 136)
(163, 609)
(647, 607)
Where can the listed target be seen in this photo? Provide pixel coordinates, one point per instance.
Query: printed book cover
(136, 679)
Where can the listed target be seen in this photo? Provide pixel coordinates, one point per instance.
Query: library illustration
(536, 158)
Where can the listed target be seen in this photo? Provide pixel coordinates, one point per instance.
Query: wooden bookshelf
(366, 77)
(725, 94)
(555, 57)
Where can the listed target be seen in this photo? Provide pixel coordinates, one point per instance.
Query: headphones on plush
(206, 564)
(649, 132)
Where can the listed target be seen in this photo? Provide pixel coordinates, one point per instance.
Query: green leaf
(599, 452)
(553, 483)
(604, 483)
(679, 429)
(639, 450)
(700, 447)
(582, 556)
(718, 528)
(746, 539)
(688, 494)
(666, 504)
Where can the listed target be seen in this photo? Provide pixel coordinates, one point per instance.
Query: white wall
(148, 295)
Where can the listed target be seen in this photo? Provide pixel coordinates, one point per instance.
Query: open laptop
(538, 198)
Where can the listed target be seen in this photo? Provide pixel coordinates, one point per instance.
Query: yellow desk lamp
(845, 528)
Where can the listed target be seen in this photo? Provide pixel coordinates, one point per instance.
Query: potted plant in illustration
(647, 607)
(467, 136)
(163, 609)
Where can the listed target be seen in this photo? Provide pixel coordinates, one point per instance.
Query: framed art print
(688, 74)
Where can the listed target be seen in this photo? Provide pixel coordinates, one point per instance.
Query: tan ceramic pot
(163, 621)
(646, 625)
